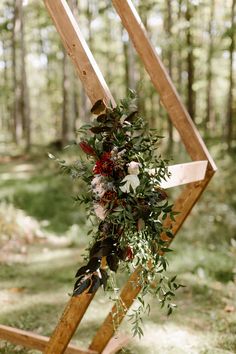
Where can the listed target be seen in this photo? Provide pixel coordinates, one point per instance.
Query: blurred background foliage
(42, 103)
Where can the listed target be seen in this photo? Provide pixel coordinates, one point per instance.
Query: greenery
(122, 175)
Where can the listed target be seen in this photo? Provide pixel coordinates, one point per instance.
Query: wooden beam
(76, 47)
(116, 343)
(35, 341)
(186, 201)
(96, 88)
(68, 323)
(162, 82)
(184, 173)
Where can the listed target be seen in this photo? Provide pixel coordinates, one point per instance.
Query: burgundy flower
(87, 148)
(104, 166)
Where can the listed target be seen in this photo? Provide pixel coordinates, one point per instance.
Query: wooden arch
(195, 175)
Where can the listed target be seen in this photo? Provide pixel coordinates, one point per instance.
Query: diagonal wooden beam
(68, 323)
(96, 88)
(162, 82)
(79, 52)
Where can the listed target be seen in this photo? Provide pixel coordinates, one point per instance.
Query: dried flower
(108, 197)
(100, 211)
(87, 148)
(98, 186)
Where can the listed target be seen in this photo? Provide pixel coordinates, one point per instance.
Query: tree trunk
(21, 105)
(6, 122)
(17, 131)
(180, 59)
(209, 121)
(129, 62)
(190, 63)
(65, 90)
(170, 65)
(229, 118)
(25, 103)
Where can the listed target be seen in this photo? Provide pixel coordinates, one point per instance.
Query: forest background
(42, 104)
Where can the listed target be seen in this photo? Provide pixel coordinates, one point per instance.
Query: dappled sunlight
(172, 339)
(18, 299)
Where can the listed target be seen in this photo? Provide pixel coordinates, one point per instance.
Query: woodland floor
(43, 237)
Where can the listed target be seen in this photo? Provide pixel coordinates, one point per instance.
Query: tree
(229, 118)
(169, 23)
(21, 105)
(190, 60)
(209, 123)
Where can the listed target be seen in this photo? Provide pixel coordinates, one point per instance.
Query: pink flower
(100, 211)
(98, 186)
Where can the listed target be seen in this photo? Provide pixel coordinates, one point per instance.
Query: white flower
(133, 168)
(100, 211)
(131, 181)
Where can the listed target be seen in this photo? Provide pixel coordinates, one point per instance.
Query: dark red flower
(87, 148)
(104, 166)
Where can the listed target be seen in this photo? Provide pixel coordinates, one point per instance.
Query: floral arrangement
(122, 172)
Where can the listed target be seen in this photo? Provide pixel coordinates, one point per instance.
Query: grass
(42, 192)
(35, 282)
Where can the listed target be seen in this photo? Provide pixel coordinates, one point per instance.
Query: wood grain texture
(162, 82)
(184, 173)
(33, 340)
(68, 324)
(76, 47)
